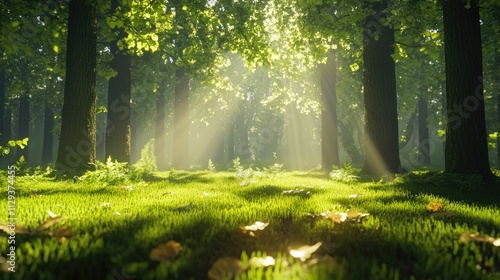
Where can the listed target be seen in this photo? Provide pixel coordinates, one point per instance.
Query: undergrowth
(115, 225)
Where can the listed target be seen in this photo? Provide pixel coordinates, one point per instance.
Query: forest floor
(258, 225)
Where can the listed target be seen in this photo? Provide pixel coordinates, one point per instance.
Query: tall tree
(48, 137)
(119, 89)
(424, 155)
(466, 149)
(181, 120)
(379, 79)
(78, 129)
(329, 131)
(2, 106)
(23, 123)
(160, 130)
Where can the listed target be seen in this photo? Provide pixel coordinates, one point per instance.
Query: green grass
(398, 240)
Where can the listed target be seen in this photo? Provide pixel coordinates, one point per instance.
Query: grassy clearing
(115, 227)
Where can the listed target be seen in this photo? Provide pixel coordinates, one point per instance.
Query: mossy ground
(114, 228)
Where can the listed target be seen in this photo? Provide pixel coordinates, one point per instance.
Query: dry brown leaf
(51, 214)
(480, 238)
(225, 268)
(262, 262)
(50, 222)
(18, 229)
(186, 207)
(258, 225)
(434, 206)
(305, 252)
(337, 217)
(166, 251)
(61, 232)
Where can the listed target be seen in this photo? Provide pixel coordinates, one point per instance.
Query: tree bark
(78, 129)
(119, 91)
(181, 120)
(424, 155)
(160, 131)
(2, 107)
(381, 117)
(466, 149)
(242, 145)
(329, 130)
(7, 126)
(23, 130)
(230, 141)
(48, 138)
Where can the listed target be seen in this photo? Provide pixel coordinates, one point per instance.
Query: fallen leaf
(243, 183)
(50, 222)
(205, 194)
(434, 206)
(262, 262)
(186, 207)
(105, 204)
(337, 217)
(355, 195)
(166, 251)
(480, 238)
(129, 188)
(18, 229)
(443, 214)
(322, 215)
(258, 225)
(61, 233)
(225, 268)
(305, 252)
(117, 213)
(168, 192)
(51, 214)
(296, 191)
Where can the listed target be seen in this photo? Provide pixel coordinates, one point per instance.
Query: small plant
(345, 174)
(211, 166)
(146, 166)
(275, 169)
(111, 173)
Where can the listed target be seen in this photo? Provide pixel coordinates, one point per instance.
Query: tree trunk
(348, 142)
(181, 120)
(381, 117)
(466, 149)
(329, 131)
(7, 126)
(48, 138)
(2, 107)
(424, 155)
(230, 141)
(119, 90)
(23, 130)
(160, 131)
(498, 127)
(242, 145)
(217, 143)
(78, 129)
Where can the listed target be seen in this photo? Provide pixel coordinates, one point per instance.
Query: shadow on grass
(183, 177)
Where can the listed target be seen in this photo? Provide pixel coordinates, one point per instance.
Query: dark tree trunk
(424, 155)
(329, 131)
(23, 130)
(7, 126)
(160, 131)
(2, 107)
(78, 129)
(498, 127)
(48, 138)
(181, 120)
(119, 89)
(230, 141)
(466, 149)
(242, 145)
(410, 127)
(381, 116)
(217, 143)
(349, 143)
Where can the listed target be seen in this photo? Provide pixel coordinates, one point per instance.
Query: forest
(207, 139)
